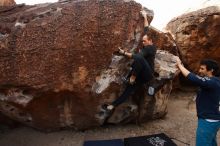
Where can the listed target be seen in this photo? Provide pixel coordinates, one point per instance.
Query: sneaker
(110, 107)
(106, 111)
(107, 107)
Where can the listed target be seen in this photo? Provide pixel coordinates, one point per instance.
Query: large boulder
(140, 106)
(57, 64)
(197, 35)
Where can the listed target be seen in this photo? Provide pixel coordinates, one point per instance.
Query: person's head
(208, 68)
(147, 40)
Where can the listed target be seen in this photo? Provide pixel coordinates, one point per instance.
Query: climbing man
(142, 67)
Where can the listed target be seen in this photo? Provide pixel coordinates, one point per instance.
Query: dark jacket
(208, 97)
(149, 52)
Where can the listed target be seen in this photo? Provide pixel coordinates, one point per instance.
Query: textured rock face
(57, 67)
(7, 3)
(197, 35)
(163, 41)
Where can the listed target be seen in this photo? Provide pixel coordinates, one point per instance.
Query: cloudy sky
(164, 10)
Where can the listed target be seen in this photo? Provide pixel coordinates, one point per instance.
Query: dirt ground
(179, 123)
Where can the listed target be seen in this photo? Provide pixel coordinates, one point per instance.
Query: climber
(142, 67)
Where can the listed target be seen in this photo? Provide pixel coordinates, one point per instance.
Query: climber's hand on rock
(121, 51)
(132, 79)
(143, 13)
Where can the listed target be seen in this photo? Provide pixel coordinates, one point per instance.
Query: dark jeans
(129, 90)
(143, 73)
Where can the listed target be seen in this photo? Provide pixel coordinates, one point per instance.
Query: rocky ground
(180, 123)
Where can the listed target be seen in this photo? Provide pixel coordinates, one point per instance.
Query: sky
(164, 10)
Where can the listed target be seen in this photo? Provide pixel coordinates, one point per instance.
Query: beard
(201, 74)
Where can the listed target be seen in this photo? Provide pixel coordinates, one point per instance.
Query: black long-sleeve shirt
(149, 52)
